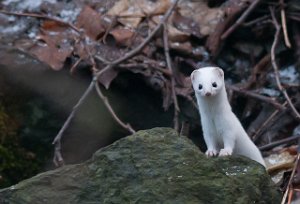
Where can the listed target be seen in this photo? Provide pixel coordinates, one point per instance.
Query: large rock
(151, 166)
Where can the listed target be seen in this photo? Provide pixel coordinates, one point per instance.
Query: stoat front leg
(210, 139)
(211, 145)
(211, 152)
(229, 142)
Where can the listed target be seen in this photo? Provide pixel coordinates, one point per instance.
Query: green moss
(16, 163)
(153, 166)
(26, 131)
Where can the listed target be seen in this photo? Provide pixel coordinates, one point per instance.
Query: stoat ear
(220, 72)
(193, 75)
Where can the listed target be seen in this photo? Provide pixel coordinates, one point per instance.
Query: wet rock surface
(151, 166)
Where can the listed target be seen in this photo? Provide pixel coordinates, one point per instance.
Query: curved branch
(275, 66)
(112, 112)
(36, 15)
(169, 65)
(57, 154)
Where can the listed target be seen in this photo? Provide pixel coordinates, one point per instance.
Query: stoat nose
(207, 94)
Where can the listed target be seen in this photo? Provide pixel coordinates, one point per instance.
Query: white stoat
(223, 132)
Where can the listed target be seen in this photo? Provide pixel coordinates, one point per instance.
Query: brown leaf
(122, 36)
(52, 50)
(49, 25)
(207, 18)
(176, 35)
(231, 9)
(186, 24)
(131, 12)
(91, 21)
(185, 47)
(107, 77)
(80, 50)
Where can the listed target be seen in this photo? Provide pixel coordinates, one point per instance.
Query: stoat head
(207, 81)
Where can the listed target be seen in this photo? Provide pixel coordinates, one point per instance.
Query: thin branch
(72, 70)
(58, 160)
(101, 59)
(257, 20)
(275, 67)
(35, 15)
(258, 73)
(112, 112)
(257, 96)
(169, 65)
(173, 83)
(146, 41)
(258, 132)
(279, 142)
(144, 65)
(284, 27)
(290, 181)
(240, 20)
(57, 140)
(105, 100)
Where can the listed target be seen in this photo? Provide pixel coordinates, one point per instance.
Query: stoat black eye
(200, 86)
(214, 84)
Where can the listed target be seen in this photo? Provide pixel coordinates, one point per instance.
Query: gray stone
(151, 166)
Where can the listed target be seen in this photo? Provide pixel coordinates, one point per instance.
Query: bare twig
(257, 96)
(111, 25)
(105, 100)
(275, 67)
(185, 127)
(258, 132)
(72, 70)
(294, 17)
(173, 83)
(35, 15)
(57, 158)
(57, 140)
(279, 142)
(288, 188)
(240, 20)
(112, 112)
(257, 20)
(258, 73)
(145, 42)
(101, 59)
(290, 197)
(145, 65)
(284, 27)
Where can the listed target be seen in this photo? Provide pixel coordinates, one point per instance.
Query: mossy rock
(151, 166)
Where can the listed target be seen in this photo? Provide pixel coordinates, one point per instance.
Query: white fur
(222, 131)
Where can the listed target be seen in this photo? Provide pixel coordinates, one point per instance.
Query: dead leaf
(122, 36)
(174, 34)
(206, 18)
(107, 77)
(125, 8)
(80, 50)
(185, 24)
(52, 49)
(151, 8)
(91, 21)
(55, 26)
(185, 47)
(131, 12)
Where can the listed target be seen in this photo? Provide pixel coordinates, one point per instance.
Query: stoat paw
(225, 152)
(211, 153)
